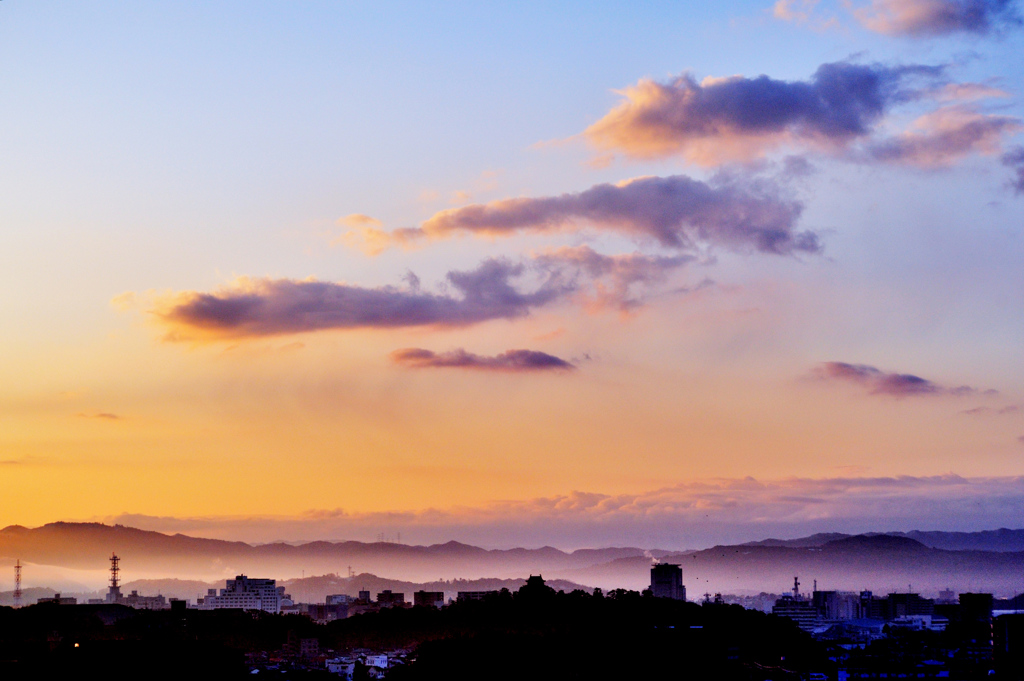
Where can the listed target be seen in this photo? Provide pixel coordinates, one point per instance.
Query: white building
(378, 661)
(245, 593)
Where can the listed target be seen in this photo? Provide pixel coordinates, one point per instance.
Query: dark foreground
(534, 634)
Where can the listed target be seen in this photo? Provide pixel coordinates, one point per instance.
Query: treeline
(534, 633)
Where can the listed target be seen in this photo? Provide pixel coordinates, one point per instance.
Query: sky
(659, 274)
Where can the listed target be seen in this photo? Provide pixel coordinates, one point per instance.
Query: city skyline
(513, 275)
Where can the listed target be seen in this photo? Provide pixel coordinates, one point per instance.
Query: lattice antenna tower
(17, 583)
(115, 572)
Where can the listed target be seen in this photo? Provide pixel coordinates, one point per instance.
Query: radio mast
(17, 583)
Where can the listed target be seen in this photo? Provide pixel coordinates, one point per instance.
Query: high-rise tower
(667, 581)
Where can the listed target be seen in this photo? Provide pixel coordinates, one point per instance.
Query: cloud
(928, 18)
(1015, 160)
(513, 361)
(882, 383)
(941, 137)
(103, 415)
(689, 514)
(794, 10)
(966, 92)
(803, 12)
(676, 212)
(265, 307)
(1001, 411)
(613, 279)
(740, 119)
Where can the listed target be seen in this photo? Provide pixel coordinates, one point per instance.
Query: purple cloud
(1015, 160)
(676, 211)
(944, 136)
(740, 118)
(613, 278)
(882, 383)
(264, 307)
(509, 361)
(925, 18)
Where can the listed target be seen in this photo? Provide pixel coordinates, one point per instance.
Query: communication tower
(17, 583)
(114, 594)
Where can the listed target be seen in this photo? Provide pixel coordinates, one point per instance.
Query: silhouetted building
(836, 606)
(907, 604)
(364, 596)
(247, 594)
(134, 600)
(58, 600)
(338, 606)
(429, 599)
(976, 626)
(797, 608)
(473, 595)
(667, 581)
(387, 599)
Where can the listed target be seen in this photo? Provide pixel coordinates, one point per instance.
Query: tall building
(246, 593)
(389, 599)
(667, 581)
(430, 599)
(797, 608)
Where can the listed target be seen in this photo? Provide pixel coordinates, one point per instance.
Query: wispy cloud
(928, 18)
(1015, 160)
(677, 212)
(879, 382)
(998, 411)
(101, 415)
(511, 361)
(614, 281)
(688, 514)
(942, 137)
(264, 307)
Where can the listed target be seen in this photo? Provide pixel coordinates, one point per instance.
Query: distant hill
(89, 545)
(802, 542)
(987, 540)
(879, 562)
(28, 596)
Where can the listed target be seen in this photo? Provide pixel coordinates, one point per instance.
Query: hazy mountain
(987, 540)
(28, 596)
(87, 546)
(802, 542)
(879, 562)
